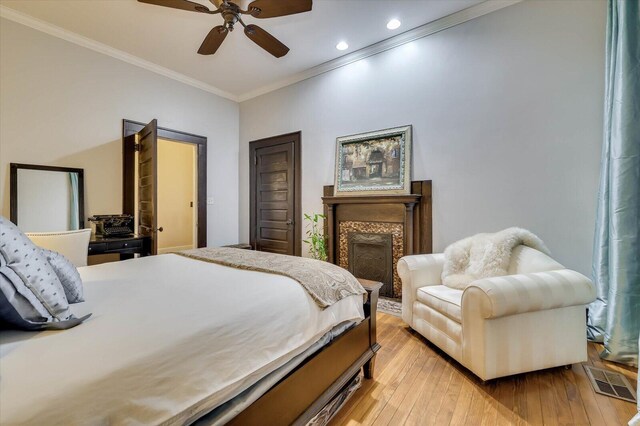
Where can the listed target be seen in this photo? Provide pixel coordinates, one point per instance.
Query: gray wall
(61, 104)
(507, 118)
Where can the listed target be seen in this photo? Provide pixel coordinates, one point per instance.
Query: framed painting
(374, 163)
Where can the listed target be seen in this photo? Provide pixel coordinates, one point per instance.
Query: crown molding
(432, 27)
(53, 30)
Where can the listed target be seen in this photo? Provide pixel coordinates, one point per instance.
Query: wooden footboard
(307, 389)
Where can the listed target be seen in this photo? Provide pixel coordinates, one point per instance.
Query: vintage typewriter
(112, 225)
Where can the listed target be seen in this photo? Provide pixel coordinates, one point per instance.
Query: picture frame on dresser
(374, 163)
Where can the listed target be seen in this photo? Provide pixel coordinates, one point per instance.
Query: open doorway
(177, 196)
(164, 185)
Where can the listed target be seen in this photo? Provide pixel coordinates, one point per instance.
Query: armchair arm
(515, 294)
(418, 271)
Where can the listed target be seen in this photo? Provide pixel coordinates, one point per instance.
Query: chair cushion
(74, 245)
(443, 299)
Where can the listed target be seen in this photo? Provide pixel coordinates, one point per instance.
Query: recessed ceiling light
(393, 24)
(342, 45)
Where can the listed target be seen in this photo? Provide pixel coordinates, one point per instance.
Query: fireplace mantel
(407, 217)
(408, 200)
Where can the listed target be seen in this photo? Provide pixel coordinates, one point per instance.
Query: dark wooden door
(275, 206)
(148, 183)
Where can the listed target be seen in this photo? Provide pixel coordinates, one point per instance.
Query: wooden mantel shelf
(372, 199)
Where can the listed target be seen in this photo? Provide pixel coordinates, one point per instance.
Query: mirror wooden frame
(13, 188)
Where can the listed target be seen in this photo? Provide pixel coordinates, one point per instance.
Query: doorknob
(160, 229)
(289, 222)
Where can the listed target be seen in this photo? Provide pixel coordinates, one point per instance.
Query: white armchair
(74, 245)
(531, 319)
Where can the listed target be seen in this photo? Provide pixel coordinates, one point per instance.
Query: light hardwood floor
(417, 384)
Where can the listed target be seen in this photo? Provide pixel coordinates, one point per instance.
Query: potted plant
(315, 236)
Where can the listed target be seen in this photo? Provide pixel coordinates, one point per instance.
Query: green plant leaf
(317, 241)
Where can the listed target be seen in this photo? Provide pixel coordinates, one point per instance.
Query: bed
(172, 339)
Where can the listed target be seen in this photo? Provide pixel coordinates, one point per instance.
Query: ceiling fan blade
(213, 40)
(266, 40)
(179, 4)
(274, 8)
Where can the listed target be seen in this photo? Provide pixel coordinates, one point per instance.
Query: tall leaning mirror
(46, 198)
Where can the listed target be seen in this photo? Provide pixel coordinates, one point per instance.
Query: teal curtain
(74, 208)
(614, 318)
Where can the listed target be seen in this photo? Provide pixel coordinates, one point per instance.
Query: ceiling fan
(231, 13)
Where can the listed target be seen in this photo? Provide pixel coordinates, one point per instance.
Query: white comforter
(169, 339)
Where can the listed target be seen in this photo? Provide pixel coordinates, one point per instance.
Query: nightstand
(126, 247)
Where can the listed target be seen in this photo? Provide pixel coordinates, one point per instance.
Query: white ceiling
(171, 37)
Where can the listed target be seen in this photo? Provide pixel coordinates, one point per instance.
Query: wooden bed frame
(298, 397)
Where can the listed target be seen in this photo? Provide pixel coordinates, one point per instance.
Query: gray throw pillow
(68, 275)
(13, 303)
(31, 294)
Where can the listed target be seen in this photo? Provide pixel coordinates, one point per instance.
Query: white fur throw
(484, 256)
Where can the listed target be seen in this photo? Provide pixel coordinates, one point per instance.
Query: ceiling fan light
(342, 45)
(393, 24)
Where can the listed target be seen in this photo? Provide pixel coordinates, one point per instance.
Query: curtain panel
(614, 318)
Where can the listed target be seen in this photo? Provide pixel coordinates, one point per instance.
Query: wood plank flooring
(417, 384)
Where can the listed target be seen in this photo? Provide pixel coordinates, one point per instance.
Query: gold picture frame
(374, 163)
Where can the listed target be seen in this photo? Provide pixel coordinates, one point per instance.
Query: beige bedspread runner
(325, 282)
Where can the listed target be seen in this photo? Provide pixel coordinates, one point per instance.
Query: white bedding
(169, 339)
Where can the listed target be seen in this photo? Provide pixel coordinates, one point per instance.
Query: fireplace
(367, 235)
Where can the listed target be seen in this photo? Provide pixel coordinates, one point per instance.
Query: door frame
(296, 138)
(129, 129)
